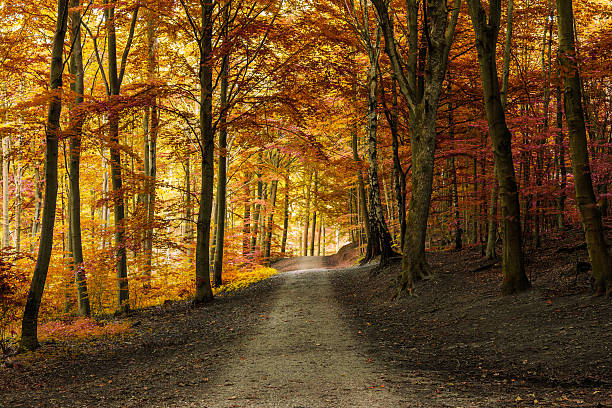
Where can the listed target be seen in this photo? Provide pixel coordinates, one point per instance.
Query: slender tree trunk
(188, 212)
(18, 205)
(313, 233)
(379, 238)
(458, 238)
(560, 160)
(222, 168)
(314, 214)
(77, 118)
(29, 338)
(319, 235)
(285, 217)
(256, 213)
(114, 80)
(6, 232)
(362, 205)
(203, 288)
(515, 279)
(246, 219)
(37, 206)
(399, 180)
(268, 245)
(422, 97)
(590, 214)
(307, 217)
(492, 226)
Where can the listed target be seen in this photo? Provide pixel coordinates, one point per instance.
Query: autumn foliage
(296, 89)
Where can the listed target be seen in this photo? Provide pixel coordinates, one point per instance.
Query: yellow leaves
(237, 278)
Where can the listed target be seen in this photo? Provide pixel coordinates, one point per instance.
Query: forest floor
(320, 336)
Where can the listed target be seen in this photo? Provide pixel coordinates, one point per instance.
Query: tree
(486, 32)
(378, 236)
(77, 86)
(590, 214)
(29, 326)
(422, 94)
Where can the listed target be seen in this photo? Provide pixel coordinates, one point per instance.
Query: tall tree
(203, 34)
(590, 214)
(6, 232)
(223, 152)
(379, 238)
(29, 326)
(113, 83)
(422, 94)
(486, 31)
(77, 119)
(492, 226)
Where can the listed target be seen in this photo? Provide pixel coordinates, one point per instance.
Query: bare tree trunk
(246, 219)
(37, 206)
(307, 217)
(114, 80)
(319, 236)
(6, 232)
(314, 214)
(18, 205)
(515, 279)
(422, 97)
(29, 338)
(256, 214)
(268, 243)
(77, 118)
(379, 238)
(458, 239)
(203, 288)
(590, 214)
(188, 214)
(492, 227)
(560, 160)
(222, 167)
(285, 217)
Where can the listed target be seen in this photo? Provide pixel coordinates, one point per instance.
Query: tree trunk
(256, 214)
(6, 232)
(590, 214)
(29, 339)
(319, 236)
(268, 245)
(203, 288)
(307, 217)
(458, 239)
(37, 206)
(492, 226)
(560, 160)
(188, 215)
(246, 219)
(379, 238)
(222, 170)
(18, 205)
(362, 205)
(114, 80)
(399, 180)
(515, 279)
(77, 119)
(285, 217)
(422, 97)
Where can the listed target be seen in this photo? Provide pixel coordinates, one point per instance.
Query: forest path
(303, 354)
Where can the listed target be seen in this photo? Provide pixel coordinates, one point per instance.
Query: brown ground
(323, 337)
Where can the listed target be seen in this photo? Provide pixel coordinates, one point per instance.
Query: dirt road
(302, 355)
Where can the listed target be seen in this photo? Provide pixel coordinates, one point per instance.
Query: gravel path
(302, 355)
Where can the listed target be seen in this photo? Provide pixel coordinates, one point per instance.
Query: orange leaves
(82, 328)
